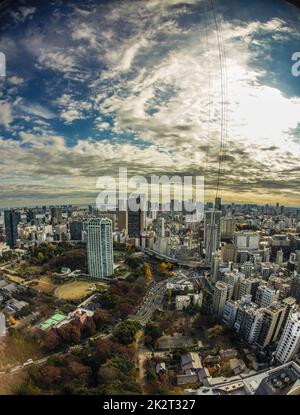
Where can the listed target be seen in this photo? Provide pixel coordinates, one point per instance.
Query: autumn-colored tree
(164, 269)
(88, 329)
(148, 271)
(51, 340)
(100, 318)
(122, 310)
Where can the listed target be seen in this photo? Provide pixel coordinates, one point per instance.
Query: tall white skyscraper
(289, 343)
(100, 247)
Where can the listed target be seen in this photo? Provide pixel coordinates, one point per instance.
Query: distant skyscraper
(218, 204)
(11, 221)
(76, 229)
(56, 215)
(100, 247)
(289, 343)
(122, 219)
(135, 221)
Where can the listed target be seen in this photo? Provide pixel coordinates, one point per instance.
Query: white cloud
(5, 113)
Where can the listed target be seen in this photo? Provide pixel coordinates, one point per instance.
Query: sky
(153, 86)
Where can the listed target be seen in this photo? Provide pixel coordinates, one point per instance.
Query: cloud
(5, 113)
(147, 76)
(37, 110)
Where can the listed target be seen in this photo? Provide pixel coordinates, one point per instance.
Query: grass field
(15, 350)
(44, 284)
(74, 290)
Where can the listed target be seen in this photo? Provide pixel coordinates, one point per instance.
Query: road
(152, 301)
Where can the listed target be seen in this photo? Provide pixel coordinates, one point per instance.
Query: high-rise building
(56, 215)
(122, 219)
(161, 227)
(11, 221)
(229, 313)
(272, 319)
(289, 343)
(228, 253)
(228, 224)
(295, 288)
(76, 229)
(218, 203)
(265, 296)
(279, 257)
(136, 218)
(100, 247)
(220, 298)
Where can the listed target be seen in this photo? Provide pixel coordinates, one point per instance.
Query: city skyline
(97, 86)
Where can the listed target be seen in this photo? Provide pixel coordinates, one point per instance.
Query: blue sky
(92, 86)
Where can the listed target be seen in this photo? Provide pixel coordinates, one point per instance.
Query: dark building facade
(76, 229)
(11, 221)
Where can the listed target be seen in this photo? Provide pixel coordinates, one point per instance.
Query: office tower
(218, 203)
(265, 296)
(161, 227)
(215, 264)
(122, 219)
(56, 215)
(11, 221)
(100, 247)
(272, 319)
(228, 253)
(220, 298)
(76, 229)
(228, 225)
(136, 219)
(289, 343)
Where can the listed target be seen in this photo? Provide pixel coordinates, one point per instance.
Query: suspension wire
(223, 115)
